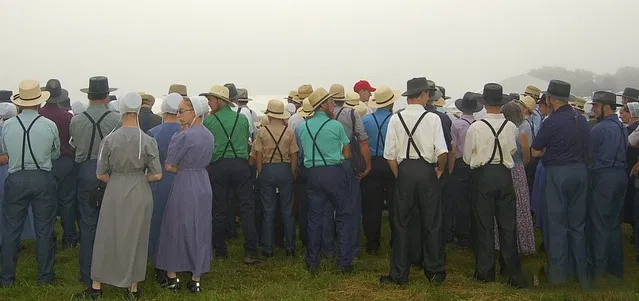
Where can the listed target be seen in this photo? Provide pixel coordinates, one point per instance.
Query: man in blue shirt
(380, 183)
(29, 144)
(562, 143)
(608, 144)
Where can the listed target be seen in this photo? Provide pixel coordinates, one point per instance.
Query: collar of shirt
(415, 108)
(29, 113)
(612, 117)
(468, 117)
(320, 115)
(493, 116)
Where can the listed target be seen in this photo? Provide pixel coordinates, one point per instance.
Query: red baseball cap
(363, 85)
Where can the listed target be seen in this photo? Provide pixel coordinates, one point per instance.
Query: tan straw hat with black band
(30, 94)
(275, 109)
(319, 97)
(384, 96)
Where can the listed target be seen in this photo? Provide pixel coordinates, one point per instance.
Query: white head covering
(171, 103)
(200, 105)
(8, 110)
(130, 103)
(114, 107)
(633, 109)
(78, 107)
(290, 108)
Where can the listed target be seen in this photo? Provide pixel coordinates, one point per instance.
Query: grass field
(281, 278)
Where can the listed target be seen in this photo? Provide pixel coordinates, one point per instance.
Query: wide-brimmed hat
(630, 93)
(338, 91)
(30, 94)
(351, 99)
(275, 109)
(604, 97)
(232, 91)
(514, 96)
(559, 90)
(5, 95)
(304, 91)
(220, 92)
(435, 94)
(416, 85)
(469, 103)
(147, 99)
(98, 85)
(292, 95)
(443, 90)
(579, 104)
(533, 92)
(493, 95)
(57, 93)
(306, 110)
(383, 97)
(179, 89)
(528, 102)
(319, 97)
(242, 95)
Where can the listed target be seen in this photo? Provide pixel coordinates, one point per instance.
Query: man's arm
(394, 167)
(346, 151)
(366, 154)
(4, 159)
(451, 162)
(441, 161)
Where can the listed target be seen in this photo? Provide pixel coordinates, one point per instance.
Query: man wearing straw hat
(414, 145)
(535, 93)
(87, 131)
(326, 146)
(276, 152)
(64, 170)
(230, 173)
(379, 185)
(179, 89)
(30, 182)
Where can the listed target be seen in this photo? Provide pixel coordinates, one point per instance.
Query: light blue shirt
(372, 124)
(45, 142)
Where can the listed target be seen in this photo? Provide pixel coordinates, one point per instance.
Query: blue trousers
(87, 181)
(277, 176)
(64, 171)
(329, 184)
(608, 192)
(564, 220)
(24, 188)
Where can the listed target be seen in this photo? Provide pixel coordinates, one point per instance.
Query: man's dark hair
(98, 96)
(416, 95)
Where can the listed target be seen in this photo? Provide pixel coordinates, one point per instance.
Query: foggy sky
(271, 47)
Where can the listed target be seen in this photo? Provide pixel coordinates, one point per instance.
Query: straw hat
(383, 97)
(30, 94)
(579, 103)
(352, 99)
(441, 102)
(338, 90)
(292, 96)
(147, 99)
(304, 91)
(179, 89)
(533, 92)
(242, 95)
(220, 92)
(528, 102)
(306, 110)
(319, 97)
(275, 109)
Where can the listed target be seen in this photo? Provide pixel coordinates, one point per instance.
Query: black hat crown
(54, 87)
(98, 85)
(5, 95)
(493, 94)
(416, 85)
(232, 91)
(604, 97)
(558, 89)
(631, 93)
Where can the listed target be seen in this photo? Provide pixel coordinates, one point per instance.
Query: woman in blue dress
(161, 189)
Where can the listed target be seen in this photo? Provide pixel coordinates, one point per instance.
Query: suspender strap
(339, 112)
(410, 134)
(623, 141)
(95, 126)
(228, 137)
(315, 146)
(469, 123)
(277, 143)
(26, 139)
(380, 136)
(497, 145)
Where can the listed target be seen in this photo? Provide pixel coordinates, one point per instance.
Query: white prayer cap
(290, 108)
(113, 106)
(633, 109)
(200, 105)
(78, 107)
(130, 103)
(171, 103)
(8, 110)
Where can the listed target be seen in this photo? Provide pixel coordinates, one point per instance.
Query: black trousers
(459, 193)
(493, 197)
(417, 187)
(302, 197)
(377, 187)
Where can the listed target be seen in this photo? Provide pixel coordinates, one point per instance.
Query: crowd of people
(130, 186)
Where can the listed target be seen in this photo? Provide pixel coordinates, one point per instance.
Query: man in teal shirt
(229, 172)
(325, 146)
(29, 144)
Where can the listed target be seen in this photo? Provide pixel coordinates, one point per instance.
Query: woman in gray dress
(128, 161)
(186, 231)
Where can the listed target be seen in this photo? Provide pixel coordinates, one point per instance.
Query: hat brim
(504, 100)
(375, 105)
(563, 98)
(64, 95)
(629, 97)
(216, 96)
(284, 115)
(436, 96)
(323, 100)
(459, 105)
(44, 96)
(245, 99)
(413, 92)
(86, 90)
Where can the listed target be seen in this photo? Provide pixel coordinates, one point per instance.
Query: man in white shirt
(414, 144)
(488, 149)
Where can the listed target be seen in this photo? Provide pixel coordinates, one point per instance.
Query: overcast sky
(271, 47)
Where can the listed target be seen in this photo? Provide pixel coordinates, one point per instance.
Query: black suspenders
(496, 145)
(96, 126)
(277, 143)
(228, 137)
(469, 123)
(410, 134)
(380, 137)
(624, 142)
(339, 112)
(315, 146)
(26, 139)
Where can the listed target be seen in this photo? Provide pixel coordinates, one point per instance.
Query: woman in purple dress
(185, 233)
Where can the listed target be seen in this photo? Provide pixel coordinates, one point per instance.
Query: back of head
(512, 113)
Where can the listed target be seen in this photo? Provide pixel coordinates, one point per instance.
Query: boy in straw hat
(276, 158)
(326, 146)
(352, 101)
(87, 131)
(230, 173)
(30, 182)
(378, 186)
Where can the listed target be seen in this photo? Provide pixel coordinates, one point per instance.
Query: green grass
(286, 279)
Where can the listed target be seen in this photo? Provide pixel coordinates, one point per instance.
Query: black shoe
(133, 295)
(69, 245)
(267, 255)
(373, 251)
(389, 280)
(312, 269)
(517, 283)
(194, 286)
(346, 269)
(290, 253)
(160, 277)
(172, 284)
(251, 259)
(437, 279)
(89, 293)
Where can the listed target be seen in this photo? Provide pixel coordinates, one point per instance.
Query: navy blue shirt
(608, 143)
(446, 125)
(565, 135)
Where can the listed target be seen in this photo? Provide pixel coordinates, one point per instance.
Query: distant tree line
(585, 82)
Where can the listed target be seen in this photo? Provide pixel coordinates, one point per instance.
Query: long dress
(186, 230)
(120, 250)
(161, 189)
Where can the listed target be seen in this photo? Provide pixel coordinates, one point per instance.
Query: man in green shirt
(229, 172)
(325, 146)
